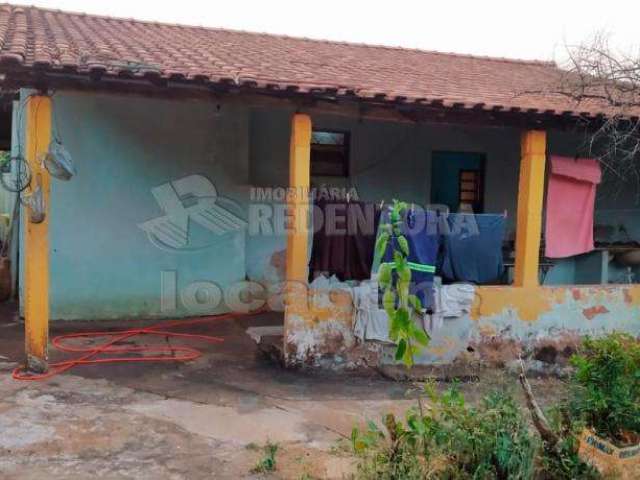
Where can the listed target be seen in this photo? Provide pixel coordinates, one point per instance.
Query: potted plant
(605, 395)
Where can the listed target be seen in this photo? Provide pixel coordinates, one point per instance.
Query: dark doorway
(457, 180)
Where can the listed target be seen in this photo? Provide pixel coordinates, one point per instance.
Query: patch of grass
(267, 462)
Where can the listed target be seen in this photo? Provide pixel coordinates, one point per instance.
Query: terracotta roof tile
(35, 37)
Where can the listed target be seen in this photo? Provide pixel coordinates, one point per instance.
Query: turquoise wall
(102, 263)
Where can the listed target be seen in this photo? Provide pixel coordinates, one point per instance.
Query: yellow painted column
(530, 196)
(296, 301)
(36, 254)
(298, 201)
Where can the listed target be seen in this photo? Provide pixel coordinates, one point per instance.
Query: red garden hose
(159, 353)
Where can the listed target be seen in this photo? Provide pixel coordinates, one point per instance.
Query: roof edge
(549, 63)
(61, 80)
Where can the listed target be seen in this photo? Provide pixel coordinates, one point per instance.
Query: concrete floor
(201, 419)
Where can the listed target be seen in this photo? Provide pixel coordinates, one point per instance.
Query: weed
(455, 441)
(490, 441)
(268, 461)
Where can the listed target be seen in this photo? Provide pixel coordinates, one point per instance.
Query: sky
(538, 29)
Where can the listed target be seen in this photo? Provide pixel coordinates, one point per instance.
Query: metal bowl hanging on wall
(58, 161)
(35, 202)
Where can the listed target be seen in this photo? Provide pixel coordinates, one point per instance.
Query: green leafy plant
(395, 279)
(267, 462)
(489, 441)
(604, 394)
(605, 390)
(388, 455)
(454, 441)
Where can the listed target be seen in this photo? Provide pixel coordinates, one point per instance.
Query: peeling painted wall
(544, 323)
(318, 325)
(507, 321)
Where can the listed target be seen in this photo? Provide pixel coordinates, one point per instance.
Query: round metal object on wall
(15, 174)
(58, 162)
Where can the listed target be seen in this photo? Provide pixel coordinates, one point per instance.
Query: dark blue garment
(473, 248)
(420, 229)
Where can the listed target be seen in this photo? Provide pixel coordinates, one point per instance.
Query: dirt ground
(199, 420)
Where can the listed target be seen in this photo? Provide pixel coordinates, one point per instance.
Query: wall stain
(591, 312)
(527, 303)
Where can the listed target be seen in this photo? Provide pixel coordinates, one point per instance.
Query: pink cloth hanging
(571, 198)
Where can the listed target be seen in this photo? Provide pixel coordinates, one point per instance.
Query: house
(176, 131)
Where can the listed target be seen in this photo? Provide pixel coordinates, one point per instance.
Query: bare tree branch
(596, 74)
(539, 420)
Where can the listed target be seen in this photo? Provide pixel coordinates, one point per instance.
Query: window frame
(346, 164)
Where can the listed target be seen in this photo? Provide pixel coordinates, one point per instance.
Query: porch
(528, 317)
(266, 143)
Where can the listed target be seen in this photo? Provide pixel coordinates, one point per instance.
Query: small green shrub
(268, 461)
(454, 441)
(489, 441)
(604, 394)
(605, 391)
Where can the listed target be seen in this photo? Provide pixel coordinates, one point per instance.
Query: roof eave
(44, 78)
